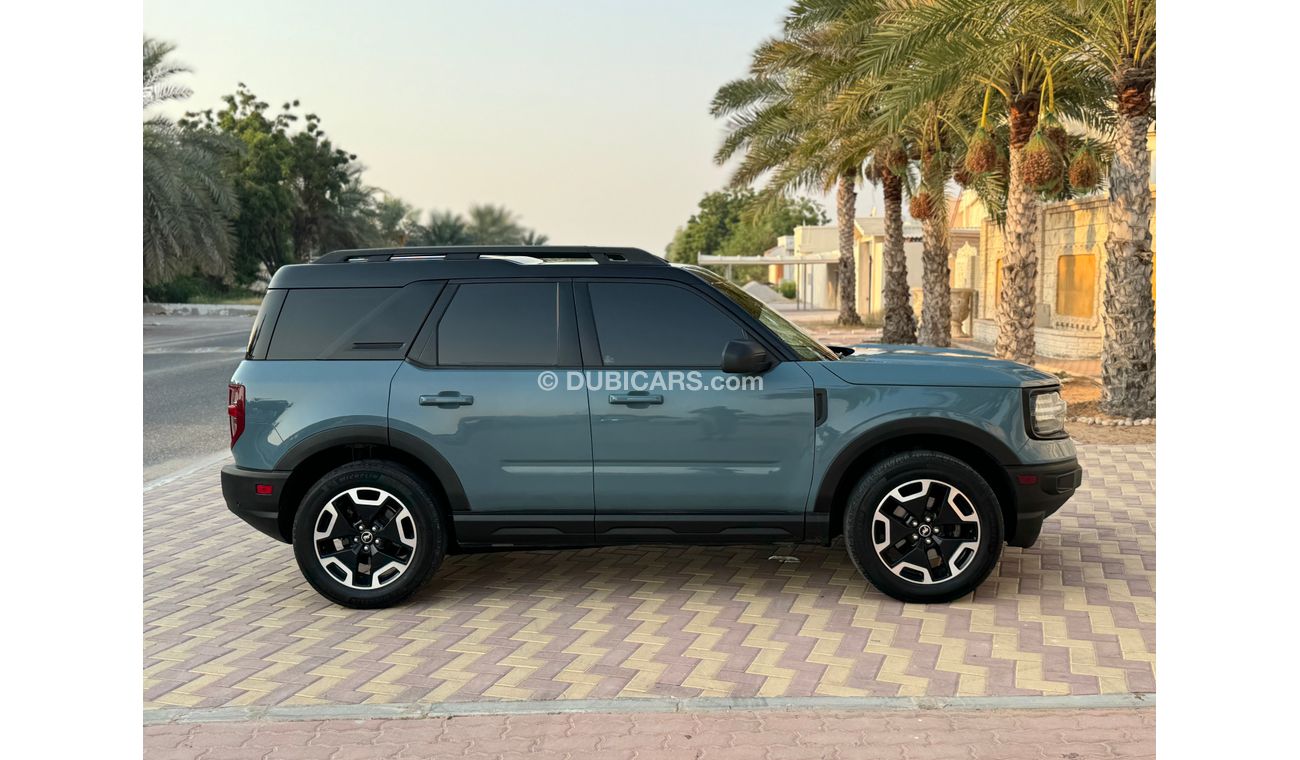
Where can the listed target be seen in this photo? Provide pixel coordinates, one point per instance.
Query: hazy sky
(588, 118)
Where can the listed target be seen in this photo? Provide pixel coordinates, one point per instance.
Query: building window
(1076, 286)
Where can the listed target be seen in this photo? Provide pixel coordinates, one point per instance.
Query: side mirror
(745, 357)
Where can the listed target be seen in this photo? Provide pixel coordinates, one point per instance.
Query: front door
(474, 392)
(682, 450)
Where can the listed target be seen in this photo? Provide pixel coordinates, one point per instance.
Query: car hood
(884, 364)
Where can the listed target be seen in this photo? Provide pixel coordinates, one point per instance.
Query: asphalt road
(187, 363)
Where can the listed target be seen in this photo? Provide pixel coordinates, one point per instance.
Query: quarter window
(656, 325)
(501, 324)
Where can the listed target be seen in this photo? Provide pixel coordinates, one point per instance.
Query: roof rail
(471, 252)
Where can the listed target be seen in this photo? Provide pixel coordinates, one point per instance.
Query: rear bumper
(260, 510)
(1040, 490)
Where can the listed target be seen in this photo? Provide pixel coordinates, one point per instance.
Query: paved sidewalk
(739, 735)
(229, 622)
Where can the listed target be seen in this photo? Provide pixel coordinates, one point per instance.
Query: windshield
(803, 344)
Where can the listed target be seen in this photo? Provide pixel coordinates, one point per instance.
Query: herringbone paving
(229, 621)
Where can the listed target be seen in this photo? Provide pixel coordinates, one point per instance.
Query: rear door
(475, 390)
(682, 450)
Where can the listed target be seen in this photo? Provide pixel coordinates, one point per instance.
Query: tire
(399, 544)
(964, 528)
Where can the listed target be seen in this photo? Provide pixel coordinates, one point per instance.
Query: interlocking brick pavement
(228, 620)
(738, 735)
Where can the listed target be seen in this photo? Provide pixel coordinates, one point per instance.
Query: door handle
(626, 399)
(446, 400)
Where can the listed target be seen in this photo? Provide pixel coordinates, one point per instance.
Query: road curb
(201, 309)
(194, 465)
(160, 716)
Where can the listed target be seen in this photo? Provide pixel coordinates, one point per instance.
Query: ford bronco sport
(397, 405)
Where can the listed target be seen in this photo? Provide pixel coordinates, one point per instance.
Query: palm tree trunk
(846, 201)
(1128, 358)
(936, 302)
(900, 321)
(1017, 307)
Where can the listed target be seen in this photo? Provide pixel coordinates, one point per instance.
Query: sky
(590, 119)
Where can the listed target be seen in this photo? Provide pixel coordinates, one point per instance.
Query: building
(810, 258)
(1071, 275)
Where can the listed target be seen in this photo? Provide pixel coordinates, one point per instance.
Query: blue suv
(397, 405)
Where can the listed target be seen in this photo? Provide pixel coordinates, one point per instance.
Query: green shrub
(789, 289)
(194, 288)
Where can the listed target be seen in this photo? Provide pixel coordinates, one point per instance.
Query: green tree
(494, 225)
(1117, 40)
(188, 201)
(445, 228)
(777, 121)
(397, 222)
(533, 237)
(733, 222)
(928, 50)
(290, 184)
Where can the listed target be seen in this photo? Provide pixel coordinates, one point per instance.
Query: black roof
(395, 267)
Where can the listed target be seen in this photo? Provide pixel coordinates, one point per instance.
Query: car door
(682, 450)
(470, 392)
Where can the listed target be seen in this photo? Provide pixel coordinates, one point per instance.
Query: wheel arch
(980, 450)
(311, 459)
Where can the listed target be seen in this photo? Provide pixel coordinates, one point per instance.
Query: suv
(397, 405)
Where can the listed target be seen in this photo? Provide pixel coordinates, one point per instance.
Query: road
(187, 363)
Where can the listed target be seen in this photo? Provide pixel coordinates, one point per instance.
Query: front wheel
(367, 534)
(923, 526)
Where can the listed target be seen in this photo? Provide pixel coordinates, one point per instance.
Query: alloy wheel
(365, 538)
(926, 531)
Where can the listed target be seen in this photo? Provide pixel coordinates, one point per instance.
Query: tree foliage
(188, 200)
(233, 190)
(735, 222)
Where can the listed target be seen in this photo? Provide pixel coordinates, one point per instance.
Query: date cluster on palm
(921, 207)
(1041, 166)
(1085, 170)
(981, 152)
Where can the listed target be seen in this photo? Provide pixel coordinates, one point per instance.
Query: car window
(804, 345)
(659, 325)
(502, 324)
(350, 323)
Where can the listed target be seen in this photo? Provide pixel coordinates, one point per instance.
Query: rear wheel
(923, 526)
(367, 534)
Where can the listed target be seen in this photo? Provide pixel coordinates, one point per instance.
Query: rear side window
(351, 323)
(642, 324)
(518, 324)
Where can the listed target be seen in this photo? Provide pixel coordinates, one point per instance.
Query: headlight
(1047, 413)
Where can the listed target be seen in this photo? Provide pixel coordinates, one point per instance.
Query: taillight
(235, 408)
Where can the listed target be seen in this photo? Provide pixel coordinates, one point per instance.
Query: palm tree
(899, 318)
(494, 225)
(352, 221)
(777, 118)
(396, 221)
(533, 237)
(833, 82)
(931, 49)
(445, 228)
(1118, 39)
(188, 200)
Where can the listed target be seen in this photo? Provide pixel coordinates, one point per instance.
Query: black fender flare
(964, 432)
(380, 435)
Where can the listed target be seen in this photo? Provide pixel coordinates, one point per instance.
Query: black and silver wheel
(367, 534)
(923, 526)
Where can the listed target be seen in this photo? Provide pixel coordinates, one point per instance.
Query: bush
(194, 288)
(789, 289)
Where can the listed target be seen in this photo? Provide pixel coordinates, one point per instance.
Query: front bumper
(261, 510)
(1040, 490)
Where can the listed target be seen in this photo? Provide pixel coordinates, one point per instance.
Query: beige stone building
(1071, 275)
(810, 258)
